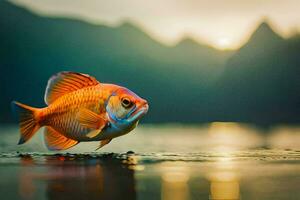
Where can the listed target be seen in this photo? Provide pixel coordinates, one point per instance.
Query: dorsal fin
(66, 82)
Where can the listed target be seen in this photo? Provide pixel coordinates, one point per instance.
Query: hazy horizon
(172, 21)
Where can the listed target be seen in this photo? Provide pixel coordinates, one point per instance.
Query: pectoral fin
(56, 141)
(103, 143)
(90, 119)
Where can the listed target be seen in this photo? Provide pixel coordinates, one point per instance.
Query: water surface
(218, 161)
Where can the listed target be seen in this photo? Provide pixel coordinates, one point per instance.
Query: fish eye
(126, 103)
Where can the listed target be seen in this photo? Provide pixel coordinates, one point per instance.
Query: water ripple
(149, 158)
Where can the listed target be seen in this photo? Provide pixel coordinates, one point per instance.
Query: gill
(116, 122)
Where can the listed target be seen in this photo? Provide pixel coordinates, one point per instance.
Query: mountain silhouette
(189, 82)
(262, 80)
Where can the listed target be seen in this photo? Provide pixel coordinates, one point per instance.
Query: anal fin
(103, 143)
(55, 141)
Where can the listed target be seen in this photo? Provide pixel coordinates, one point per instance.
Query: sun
(223, 43)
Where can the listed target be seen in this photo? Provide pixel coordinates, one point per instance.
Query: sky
(224, 24)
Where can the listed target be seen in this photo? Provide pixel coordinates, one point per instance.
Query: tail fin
(28, 120)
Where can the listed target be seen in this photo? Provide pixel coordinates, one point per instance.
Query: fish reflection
(26, 186)
(89, 178)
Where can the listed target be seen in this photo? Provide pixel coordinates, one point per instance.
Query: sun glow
(223, 24)
(223, 43)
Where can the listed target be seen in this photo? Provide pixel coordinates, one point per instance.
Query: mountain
(189, 82)
(33, 48)
(262, 80)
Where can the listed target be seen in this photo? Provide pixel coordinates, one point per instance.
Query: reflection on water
(174, 181)
(221, 161)
(224, 180)
(224, 186)
(69, 178)
(222, 176)
(131, 176)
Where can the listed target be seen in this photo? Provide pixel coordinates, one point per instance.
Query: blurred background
(222, 78)
(194, 61)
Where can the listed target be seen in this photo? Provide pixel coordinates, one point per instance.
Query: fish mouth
(140, 110)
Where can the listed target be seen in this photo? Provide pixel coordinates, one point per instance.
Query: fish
(80, 109)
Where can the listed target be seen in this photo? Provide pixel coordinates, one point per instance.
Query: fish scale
(61, 115)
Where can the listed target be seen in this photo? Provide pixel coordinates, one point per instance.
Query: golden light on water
(175, 181)
(175, 177)
(224, 180)
(222, 174)
(228, 188)
(229, 136)
(284, 137)
(227, 172)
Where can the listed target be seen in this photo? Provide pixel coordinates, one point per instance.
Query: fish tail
(28, 120)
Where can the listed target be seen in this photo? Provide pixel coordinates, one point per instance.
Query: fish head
(125, 108)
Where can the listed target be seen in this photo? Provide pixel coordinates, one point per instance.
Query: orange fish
(81, 109)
